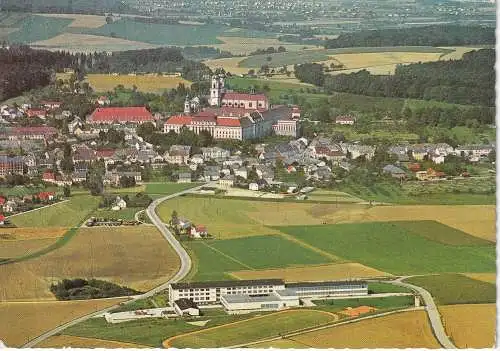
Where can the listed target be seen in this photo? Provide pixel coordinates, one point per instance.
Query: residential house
(394, 171)
(227, 181)
(10, 206)
(430, 174)
(199, 231)
(197, 159)
(46, 196)
(357, 150)
(211, 173)
(214, 153)
(474, 150)
(233, 160)
(241, 172)
(119, 204)
(253, 186)
(184, 177)
(178, 154)
(103, 100)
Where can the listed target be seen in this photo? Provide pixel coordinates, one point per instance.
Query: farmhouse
(121, 115)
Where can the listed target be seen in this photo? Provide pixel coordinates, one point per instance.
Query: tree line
(469, 81)
(436, 35)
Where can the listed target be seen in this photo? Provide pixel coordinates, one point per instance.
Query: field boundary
(227, 256)
(291, 238)
(39, 208)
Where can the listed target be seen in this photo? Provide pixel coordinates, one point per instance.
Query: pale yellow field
(361, 60)
(138, 257)
(82, 21)
(313, 273)
(149, 83)
(17, 248)
(60, 341)
(244, 46)
(401, 330)
(470, 326)
(278, 344)
(458, 53)
(477, 220)
(229, 64)
(27, 233)
(90, 43)
(484, 277)
(22, 321)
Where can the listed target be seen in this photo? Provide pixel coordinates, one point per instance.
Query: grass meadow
(168, 188)
(146, 83)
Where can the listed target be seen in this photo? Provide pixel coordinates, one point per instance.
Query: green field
(252, 330)
(66, 214)
(287, 58)
(34, 28)
(379, 288)
(381, 303)
(452, 289)
(215, 258)
(21, 190)
(168, 188)
(392, 248)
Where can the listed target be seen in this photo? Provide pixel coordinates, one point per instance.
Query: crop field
(147, 83)
(393, 249)
(17, 248)
(333, 196)
(84, 21)
(22, 321)
(230, 64)
(452, 289)
(31, 233)
(66, 214)
(252, 329)
(21, 190)
(89, 43)
(138, 257)
(33, 28)
(380, 303)
(470, 333)
(313, 273)
(168, 188)
(401, 330)
(232, 218)
(215, 260)
(248, 44)
(484, 277)
(61, 341)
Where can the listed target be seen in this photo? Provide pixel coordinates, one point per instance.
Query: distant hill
(67, 6)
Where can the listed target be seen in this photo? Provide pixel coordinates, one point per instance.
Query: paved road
(432, 312)
(183, 271)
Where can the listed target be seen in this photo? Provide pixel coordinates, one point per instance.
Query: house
(430, 174)
(233, 160)
(10, 206)
(178, 154)
(46, 196)
(241, 172)
(184, 177)
(414, 167)
(214, 153)
(198, 231)
(197, 159)
(51, 105)
(79, 176)
(394, 171)
(253, 186)
(2, 219)
(184, 224)
(33, 112)
(186, 307)
(120, 115)
(49, 176)
(345, 120)
(227, 181)
(211, 173)
(120, 204)
(11, 165)
(103, 100)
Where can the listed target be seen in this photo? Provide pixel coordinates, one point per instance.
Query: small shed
(186, 307)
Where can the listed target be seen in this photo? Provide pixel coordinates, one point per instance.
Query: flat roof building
(237, 304)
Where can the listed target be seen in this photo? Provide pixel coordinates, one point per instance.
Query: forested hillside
(470, 80)
(440, 35)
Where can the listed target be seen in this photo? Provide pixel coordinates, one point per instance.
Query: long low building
(329, 289)
(278, 300)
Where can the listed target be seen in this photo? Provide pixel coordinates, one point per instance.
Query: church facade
(237, 116)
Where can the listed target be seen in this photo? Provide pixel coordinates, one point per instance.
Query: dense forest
(437, 35)
(470, 80)
(81, 289)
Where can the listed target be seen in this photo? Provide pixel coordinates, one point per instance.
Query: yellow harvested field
(458, 53)
(147, 83)
(484, 277)
(313, 273)
(81, 21)
(401, 330)
(229, 64)
(244, 46)
(17, 248)
(22, 321)
(90, 43)
(477, 220)
(27, 233)
(360, 60)
(137, 257)
(470, 326)
(380, 69)
(279, 344)
(60, 341)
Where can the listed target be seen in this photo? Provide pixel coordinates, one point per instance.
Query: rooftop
(325, 283)
(121, 114)
(227, 283)
(248, 298)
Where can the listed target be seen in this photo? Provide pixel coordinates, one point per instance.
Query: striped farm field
(252, 329)
(337, 271)
(61, 341)
(22, 321)
(470, 326)
(484, 277)
(17, 248)
(83, 21)
(137, 257)
(147, 83)
(401, 330)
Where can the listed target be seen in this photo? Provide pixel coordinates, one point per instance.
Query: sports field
(391, 248)
(251, 330)
(313, 272)
(452, 289)
(137, 257)
(470, 326)
(65, 214)
(147, 83)
(22, 321)
(61, 341)
(401, 330)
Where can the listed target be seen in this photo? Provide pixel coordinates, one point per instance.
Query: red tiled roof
(121, 114)
(206, 113)
(180, 120)
(2, 218)
(49, 175)
(228, 122)
(36, 112)
(244, 97)
(2, 200)
(104, 153)
(201, 228)
(46, 194)
(34, 130)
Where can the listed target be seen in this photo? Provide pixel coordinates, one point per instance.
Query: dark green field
(451, 289)
(168, 188)
(379, 288)
(215, 258)
(394, 249)
(377, 302)
(34, 28)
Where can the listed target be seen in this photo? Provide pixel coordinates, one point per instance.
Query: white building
(186, 307)
(278, 300)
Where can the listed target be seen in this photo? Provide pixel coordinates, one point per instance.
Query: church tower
(216, 90)
(187, 105)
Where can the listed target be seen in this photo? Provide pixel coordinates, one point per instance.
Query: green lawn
(168, 188)
(391, 248)
(34, 28)
(380, 303)
(252, 330)
(379, 288)
(126, 214)
(451, 289)
(21, 190)
(66, 214)
(160, 300)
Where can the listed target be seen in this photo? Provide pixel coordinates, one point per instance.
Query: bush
(81, 289)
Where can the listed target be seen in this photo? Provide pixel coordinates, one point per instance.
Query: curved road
(183, 271)
(432, 311)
